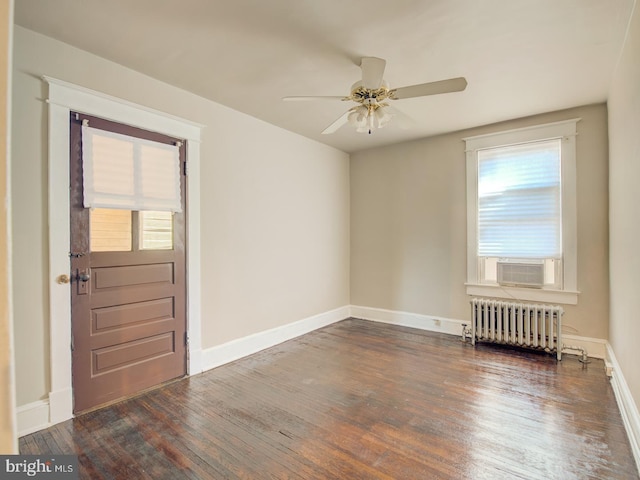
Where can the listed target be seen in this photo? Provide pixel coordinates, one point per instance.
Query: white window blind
(125, 172)
(519, 210)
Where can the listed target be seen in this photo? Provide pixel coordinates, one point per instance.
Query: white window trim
(63, 98)
(567, 130)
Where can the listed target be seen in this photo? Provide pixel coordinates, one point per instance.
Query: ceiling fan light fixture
(358, 117)
(382, 117)
(372, 121)
(366, 118)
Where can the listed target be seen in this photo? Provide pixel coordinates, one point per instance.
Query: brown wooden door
(127, 294)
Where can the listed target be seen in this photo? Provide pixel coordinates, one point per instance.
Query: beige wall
(408, 233)
(7, 414)
(275, 208)
(624, 137)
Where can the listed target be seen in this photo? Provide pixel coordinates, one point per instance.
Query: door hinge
(186, 338)
(186, 169)
(72, 344)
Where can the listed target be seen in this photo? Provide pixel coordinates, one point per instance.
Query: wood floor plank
(361, 400)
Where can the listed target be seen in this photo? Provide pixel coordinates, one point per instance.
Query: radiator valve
(466, 332)
(584, 356)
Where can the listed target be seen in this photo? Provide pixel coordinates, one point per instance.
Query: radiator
(527, 325)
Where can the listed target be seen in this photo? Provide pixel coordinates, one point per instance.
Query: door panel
(124, 323)
(127, 316)
(122, 277)
(129, 354)
(128, 307)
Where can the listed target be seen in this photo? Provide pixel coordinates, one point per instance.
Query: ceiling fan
(371, 94)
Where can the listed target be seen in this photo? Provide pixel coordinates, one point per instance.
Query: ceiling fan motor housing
(367, 96)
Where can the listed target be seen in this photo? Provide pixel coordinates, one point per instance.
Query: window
(111, 230)
(156, 230)
(125, 172)
(521, 211)
(131, 184)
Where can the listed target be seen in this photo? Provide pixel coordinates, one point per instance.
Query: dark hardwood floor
(361, 400)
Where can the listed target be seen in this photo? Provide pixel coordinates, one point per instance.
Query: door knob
(84, 277)
(64, 278)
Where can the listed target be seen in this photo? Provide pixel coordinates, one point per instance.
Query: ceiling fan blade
(337, 124)
(372, 72)
(431, 88)
(308, 98)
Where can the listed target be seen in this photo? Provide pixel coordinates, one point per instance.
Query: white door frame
(63, 98)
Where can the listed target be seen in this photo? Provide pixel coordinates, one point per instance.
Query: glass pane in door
(156, 230)
(110, 230)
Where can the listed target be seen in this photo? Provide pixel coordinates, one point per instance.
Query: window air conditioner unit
(521, 274)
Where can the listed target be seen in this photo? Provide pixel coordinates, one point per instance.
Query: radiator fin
(530, 325)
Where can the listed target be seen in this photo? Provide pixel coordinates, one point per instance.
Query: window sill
(523, 294)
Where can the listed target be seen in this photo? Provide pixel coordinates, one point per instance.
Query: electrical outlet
(608, 369)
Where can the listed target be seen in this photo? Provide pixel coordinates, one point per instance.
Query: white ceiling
(520, 57)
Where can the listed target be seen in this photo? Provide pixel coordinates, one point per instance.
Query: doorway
(64, 97)
(128, 285)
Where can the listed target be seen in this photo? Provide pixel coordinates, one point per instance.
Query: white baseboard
(626, 404)
(235, 349)
(413, 320)
(33, 417)
(595, 347)
(194, 364)
(60, 405)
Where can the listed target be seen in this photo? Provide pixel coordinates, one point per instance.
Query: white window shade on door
(129, 173)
